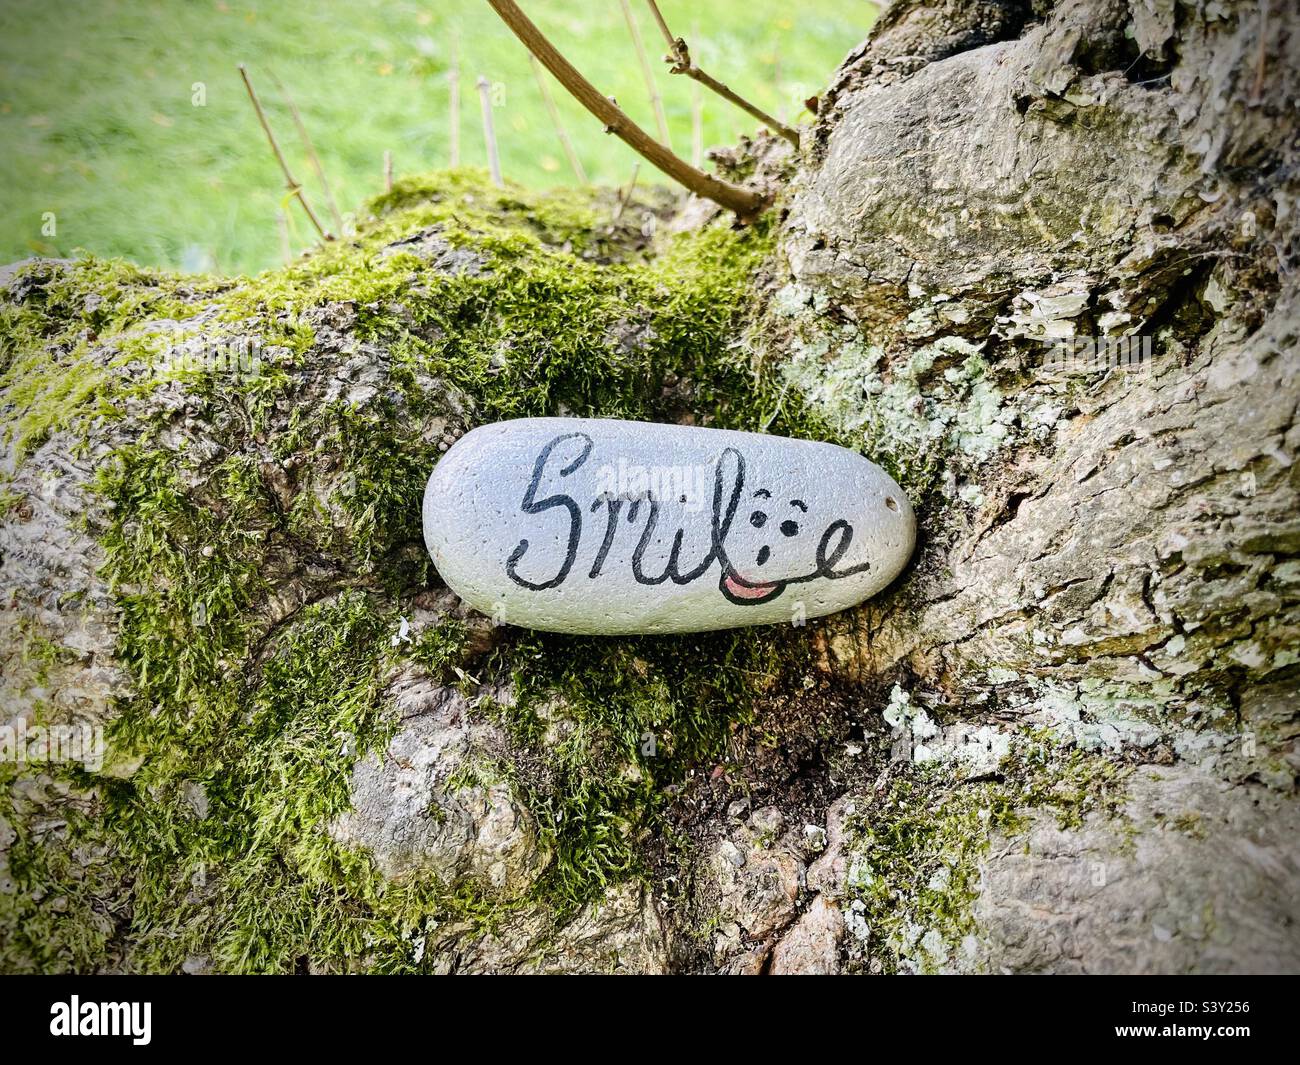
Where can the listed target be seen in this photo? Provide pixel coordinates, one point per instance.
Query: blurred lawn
(98, 123)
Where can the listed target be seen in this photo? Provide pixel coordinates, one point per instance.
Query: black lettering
(532, 505)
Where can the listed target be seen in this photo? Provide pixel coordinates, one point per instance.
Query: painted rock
(591, 525)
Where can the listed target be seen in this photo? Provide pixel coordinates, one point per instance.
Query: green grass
(100, 129)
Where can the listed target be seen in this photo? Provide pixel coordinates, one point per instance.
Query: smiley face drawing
(766, 542)
(755, 589)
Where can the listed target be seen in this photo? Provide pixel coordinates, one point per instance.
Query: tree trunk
(1065, 740)
(1109, 555)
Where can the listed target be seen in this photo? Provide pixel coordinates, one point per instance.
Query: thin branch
(560, 133)
(453, 82)
(282, 228)
(697, 113)
(625, 195)
(697, 125)
(310, 149)
(680, 58)
(781, 111)
(294, 188)
(1261, 60)
(656, 101)
(489, 132)
(388, 170)
(745, 202)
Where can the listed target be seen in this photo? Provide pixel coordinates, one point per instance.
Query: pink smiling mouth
(748, 590)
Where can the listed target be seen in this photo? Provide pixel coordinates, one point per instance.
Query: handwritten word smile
(729, 486)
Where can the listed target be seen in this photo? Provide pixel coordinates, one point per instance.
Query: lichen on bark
(1029, 754)
(1106, 554)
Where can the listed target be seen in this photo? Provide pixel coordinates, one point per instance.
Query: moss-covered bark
(1032, 748)
(241, 464)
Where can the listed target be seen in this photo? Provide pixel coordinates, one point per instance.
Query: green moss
(441, 648)
(917, 849)
(617, 726)
(53, 369)
(251, 878)
(38, 652)
(58, 914)
(10, 500)
(185, 576)
(1190, 824)
(245, 713)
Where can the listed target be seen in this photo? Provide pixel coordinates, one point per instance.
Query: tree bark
(1065, 740)
(1108, 555)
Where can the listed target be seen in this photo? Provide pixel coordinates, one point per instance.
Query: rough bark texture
(987, 176)
(1067, 740)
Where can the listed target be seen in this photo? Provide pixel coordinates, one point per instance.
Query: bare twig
(294, 188)
(697, 113)
(656, 101)
(282, 228)
(310, 149)
(1261, 60)
(781, 111)
(489, 133)
(453, 83)
(697, 125)
(680, 58)
(745, 202)
(388, 170)
(625, 195)
(561, 135)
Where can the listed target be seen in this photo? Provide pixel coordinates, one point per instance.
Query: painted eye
(763, 553)
(789, 528)
(758, 519)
